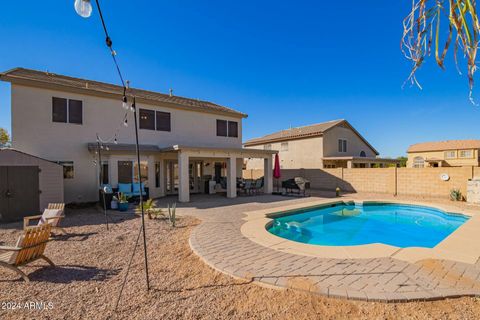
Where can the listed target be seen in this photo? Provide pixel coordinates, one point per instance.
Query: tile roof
(444, 145)
(294, 133)
(19, 74)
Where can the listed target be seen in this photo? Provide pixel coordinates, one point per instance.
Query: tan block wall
(426, 181)
(421, 182)
(376, 180)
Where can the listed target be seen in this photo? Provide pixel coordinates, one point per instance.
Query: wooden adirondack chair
(30, 247)
(54, 221)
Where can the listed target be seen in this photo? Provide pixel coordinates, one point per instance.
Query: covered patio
(180, 170)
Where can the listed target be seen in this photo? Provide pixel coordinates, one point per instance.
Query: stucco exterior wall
(355, 145)
(50, 175)
(301, 153)
(34, 132)
(452, 162)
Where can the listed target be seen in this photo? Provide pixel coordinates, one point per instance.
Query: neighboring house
(184, 143)
(332, 144)
(450, 153)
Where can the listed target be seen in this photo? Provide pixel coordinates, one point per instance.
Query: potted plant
(122, 202)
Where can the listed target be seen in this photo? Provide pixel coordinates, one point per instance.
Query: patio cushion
(50, 213)
(136, 188)
(125, 188)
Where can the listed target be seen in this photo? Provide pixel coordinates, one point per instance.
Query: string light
(124, 102)
(83, 8)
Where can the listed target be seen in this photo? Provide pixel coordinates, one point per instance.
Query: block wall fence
(396, 181)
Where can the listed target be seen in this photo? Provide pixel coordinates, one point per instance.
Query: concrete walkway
(219, 242)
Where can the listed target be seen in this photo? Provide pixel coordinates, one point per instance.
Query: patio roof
(123, 147)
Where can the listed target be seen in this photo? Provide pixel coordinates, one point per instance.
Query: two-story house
(332, 144)
(184, 142)
(450, 153)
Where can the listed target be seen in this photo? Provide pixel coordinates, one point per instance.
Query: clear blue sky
(284, 63)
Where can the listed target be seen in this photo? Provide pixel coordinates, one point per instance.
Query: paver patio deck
(220, 243)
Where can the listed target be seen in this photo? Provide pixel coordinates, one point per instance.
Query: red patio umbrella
(276, 169)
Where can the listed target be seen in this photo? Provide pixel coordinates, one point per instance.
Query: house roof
(444, 145)
(48, 79)
(309, 131)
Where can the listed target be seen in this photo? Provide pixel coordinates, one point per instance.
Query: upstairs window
(67, 110)
(342, 145)
(267, 147)
(147, 119)
(284, 146)
(163, 121)
(222, 128)
(233, 129)
(465, 153)
(450, 154)
(227, 128)
(154, 120)
(363, 154)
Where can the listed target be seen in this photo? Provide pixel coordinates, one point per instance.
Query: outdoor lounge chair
(30, 247)
(53, 215)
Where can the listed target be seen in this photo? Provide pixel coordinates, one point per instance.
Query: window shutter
(75, 111)
(147, 119)
(59, 109)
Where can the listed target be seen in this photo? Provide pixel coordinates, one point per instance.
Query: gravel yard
(91, 264)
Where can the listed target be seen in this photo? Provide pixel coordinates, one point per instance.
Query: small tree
(4, 137)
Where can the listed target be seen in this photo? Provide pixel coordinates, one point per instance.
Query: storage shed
(27, 184)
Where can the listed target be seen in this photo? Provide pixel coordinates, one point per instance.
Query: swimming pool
(349, 224)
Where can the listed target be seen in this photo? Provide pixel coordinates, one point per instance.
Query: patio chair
(258, 185)
(30, 247)
(53, 215)
(247, 187)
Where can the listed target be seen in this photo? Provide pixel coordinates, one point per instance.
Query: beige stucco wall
(456, 162)
(354, 144)
(50, 175)
(301, 153)
(34, 132)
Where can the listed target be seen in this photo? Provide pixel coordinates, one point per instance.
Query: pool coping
(462, 245)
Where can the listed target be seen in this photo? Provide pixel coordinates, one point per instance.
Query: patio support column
(232, 177)
(162, 190)
(268, 175)
(113, 168)
(349, 164)
(183, 181)
(151, 177)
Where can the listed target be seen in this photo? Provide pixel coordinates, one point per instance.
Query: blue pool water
(350, 224)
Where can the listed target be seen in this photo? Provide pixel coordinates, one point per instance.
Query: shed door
(21, 194)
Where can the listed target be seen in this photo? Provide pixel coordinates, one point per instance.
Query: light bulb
(132, 108)
(115, 141)
(83, 8)
(101, 146)
(107, 148)
(124, 103)
(125, 123)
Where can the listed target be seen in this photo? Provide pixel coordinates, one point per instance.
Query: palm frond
(423, 27)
